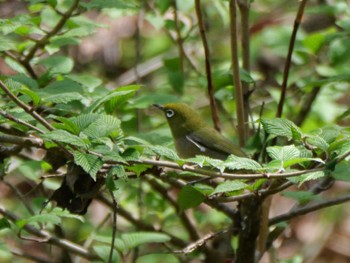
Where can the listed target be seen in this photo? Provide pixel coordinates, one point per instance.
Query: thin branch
(215, 174)
(297, 23)
(14, 119)
(26, 107)
(244, 7)
(178, 36)
(200, 242)
(191, 229)
(306, 106)
(141, 224)
(50, 239)
(242, 133)
(32, 112)
(262, 193)
(25, 141)
(45, 39)
(31, 257)
(308, 209)
(114, 227)
(18, 193)
(231, 213)
(214, 110)
(174, 40)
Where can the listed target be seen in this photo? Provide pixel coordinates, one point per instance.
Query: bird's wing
(215, 142)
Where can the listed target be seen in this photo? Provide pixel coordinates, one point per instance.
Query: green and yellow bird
(194, 136)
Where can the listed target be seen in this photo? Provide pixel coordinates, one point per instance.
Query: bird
(194, 136)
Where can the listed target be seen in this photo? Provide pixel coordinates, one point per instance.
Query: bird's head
(181, 118)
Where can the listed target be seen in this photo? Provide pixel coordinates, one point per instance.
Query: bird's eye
(169, 113)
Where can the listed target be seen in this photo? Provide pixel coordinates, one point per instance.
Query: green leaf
(302, 196)
(42, 218)
(340, 147)
(189, 197)
(114, 98)
(133, 240)
(62, 91)
(6, 44)
(4, 223)
(103, 252)
(239, 163)
(164, 152)
(103, 126)
(65, 137)
(317, 141)
(342, 171)
(58, 64)
(307, 177)
(283, 153)
(175, 76)
(67, 124)
(163, 5)
(294, 161)
(85, 80)
(25, 80)
(101, 4)
(90, 163)
(282, 127)
(138, 168)
(131, 154)
(33, 95)
(314, 42)
(117, 170)
(230, 186)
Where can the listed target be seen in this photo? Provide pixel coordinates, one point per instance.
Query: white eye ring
(169, 113)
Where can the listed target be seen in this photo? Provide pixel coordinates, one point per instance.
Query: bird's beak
(158, 106)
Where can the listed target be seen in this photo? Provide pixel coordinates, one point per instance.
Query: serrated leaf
(42, 218)
(103, 252)
(67, 124)
(239, 163)
(205, 161)
(101, 4)
(189, 197)
(317, 141)
(103, 126)
(283, 153)
(132, 240)
(164, 152)
(65, 137)
(294, 161)
(114, 98)
(340, 147)
(90, 163)
(230, 186)
(130, 154)
(62, 91)
(66, 214)
(58, 64)
(282, 127)
(138, 168)
(25, 80)
(307, 177)
(342, 171)
(33, 95)
(117, 170)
